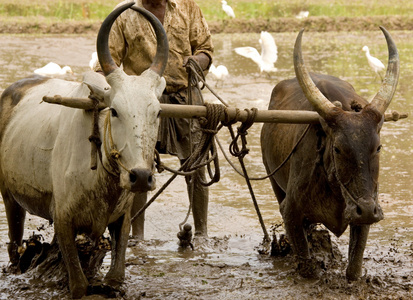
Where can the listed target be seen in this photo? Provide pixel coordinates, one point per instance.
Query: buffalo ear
(325, 125)
(371, 112)
(330, 119)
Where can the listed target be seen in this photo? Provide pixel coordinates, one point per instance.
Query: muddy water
(239, 271)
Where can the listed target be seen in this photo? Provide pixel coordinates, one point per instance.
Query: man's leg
(200, 203)
(139, 200)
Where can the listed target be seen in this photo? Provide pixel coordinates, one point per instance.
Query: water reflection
(231, 210)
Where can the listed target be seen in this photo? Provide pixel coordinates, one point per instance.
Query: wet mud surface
(212, 271)
(228, 265)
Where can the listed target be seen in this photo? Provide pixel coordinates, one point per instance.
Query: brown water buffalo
(332, 176)
(45, 155)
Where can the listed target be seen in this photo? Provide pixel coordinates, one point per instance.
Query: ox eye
(336, 150)
(114, 112)
(159, 114)
(379, 148)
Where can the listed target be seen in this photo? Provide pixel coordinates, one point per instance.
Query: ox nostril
(141, 180)
(375, 211)
(359, 211)
(132, 177)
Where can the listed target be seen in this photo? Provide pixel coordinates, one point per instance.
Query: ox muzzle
(364, 211)
(141, 180)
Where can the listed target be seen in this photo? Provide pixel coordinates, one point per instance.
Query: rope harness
(203, 155)
(342, 186)
(112, 153)
(206, 152)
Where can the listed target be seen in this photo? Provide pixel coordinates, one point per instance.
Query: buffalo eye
(336, 150)
(114, 112)
(379, 148)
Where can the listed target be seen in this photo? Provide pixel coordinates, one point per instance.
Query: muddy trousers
(199, 207)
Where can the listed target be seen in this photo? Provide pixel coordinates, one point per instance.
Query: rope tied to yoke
(242, 133)
(113, 155)
(206, 146)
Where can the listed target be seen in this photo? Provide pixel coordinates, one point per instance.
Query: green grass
(244, 9)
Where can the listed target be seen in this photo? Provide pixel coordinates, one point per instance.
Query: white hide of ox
(45, 155)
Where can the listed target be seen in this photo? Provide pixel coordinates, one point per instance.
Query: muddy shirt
(132, 40)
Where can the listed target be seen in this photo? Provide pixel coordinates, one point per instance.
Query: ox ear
(160, 88)
(157, 82)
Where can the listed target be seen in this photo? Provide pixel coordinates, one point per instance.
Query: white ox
(45, 155)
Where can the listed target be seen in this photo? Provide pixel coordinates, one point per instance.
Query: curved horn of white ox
(383, 98)
(102, 44)
(320, 103)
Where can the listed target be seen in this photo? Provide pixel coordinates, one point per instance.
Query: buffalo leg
(119, 232)
(78, 282)
(297, 236)
(358, 239)
(15, 219)
(138, 226)
(295, 229)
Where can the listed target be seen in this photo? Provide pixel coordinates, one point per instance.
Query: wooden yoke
(197, 111)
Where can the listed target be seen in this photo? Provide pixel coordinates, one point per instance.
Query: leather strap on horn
(162, 49)
(320, 103)
(383, 98)
(102, 43)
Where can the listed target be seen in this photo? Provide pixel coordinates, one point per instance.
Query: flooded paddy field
(228, 265)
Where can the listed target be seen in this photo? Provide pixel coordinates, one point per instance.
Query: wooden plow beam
(196, 111)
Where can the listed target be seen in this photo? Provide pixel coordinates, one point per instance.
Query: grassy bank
(244, 9)
(83, 16)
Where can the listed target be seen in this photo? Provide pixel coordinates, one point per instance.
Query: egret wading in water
(268, 56)
(219, 73)
(227, 9)
(53, 69)
(93, 61)
(374, 62)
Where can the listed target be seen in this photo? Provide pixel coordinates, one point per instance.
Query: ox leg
(119, 232)
(15, 218)
(138, 226)
(358, 239)
(200, 201)
(78, 282)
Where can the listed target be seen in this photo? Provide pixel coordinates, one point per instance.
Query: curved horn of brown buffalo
(105, 59)
(320, 103)
(162, 49)
(383, 98)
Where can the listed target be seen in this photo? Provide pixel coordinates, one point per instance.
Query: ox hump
(12, 95)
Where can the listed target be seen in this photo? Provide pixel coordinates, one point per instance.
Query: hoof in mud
(309, 268)
(280, 247)
(108, 291)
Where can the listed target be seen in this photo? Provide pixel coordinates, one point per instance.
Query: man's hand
(201, 58)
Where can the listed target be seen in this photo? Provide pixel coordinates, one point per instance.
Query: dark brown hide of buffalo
(332, 175)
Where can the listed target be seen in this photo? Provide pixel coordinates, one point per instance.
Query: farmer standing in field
(132, 43)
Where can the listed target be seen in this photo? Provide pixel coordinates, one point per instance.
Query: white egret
(93, 61)
(268, 55)
(52, 69)
(374, 62)
(219, 73)
(227, 9)
(303, 14)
